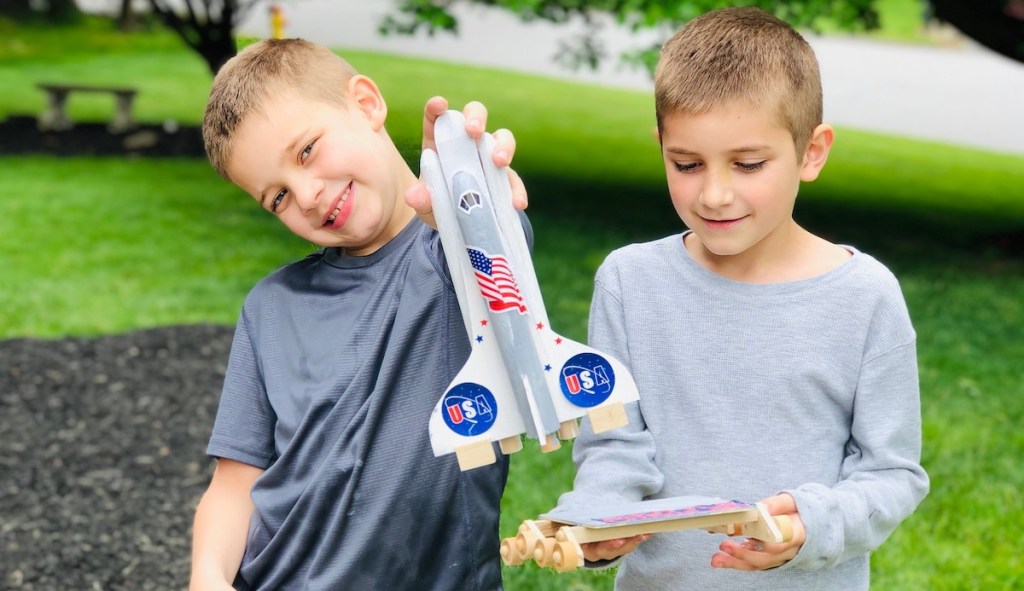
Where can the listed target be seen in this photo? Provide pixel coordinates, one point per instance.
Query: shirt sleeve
(881, 481)
(244, 427)
(616, 465)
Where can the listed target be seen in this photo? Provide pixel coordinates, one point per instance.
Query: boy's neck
(790, 254)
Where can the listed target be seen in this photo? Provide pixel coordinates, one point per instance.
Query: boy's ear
(364, 94)
(817, 152)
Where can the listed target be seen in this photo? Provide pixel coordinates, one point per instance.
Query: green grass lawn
(102, 245)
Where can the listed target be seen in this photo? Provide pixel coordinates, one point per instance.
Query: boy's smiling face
(733, 174)
(328, 172)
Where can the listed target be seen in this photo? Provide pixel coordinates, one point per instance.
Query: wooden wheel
(526, 541)
(509, 555)
(543, 552)
(566, 556)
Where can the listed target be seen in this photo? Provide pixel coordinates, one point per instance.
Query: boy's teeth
(337, 210)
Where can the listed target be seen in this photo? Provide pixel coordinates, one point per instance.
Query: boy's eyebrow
(739, 150)
(754, 148)
(295, 141)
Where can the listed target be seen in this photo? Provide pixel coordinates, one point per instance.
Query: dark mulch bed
(19, 135)
(102, 456)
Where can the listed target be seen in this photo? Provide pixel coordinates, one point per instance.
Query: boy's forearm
(882, 480)
(221, 530)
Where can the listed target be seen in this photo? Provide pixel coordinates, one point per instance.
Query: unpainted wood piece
(543, 552)
(551, 443)
(567, 555)
(474, 455)
(568, 430)
(766, 528)
(509, 555)
(510, 445)
(530, 533)
(608, 417)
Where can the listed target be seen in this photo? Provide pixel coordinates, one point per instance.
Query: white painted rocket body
(521, 377)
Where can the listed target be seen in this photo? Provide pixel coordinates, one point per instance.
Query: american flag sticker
(497, 284)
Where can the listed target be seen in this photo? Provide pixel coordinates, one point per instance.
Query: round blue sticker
(469, 409)
(587, 379)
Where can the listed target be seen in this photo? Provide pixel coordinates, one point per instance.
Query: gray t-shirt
(746, 390)
(336, 365)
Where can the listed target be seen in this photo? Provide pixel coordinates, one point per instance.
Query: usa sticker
(587, 379)
(469, 409)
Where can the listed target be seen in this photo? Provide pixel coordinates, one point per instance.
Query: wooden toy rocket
(521, 376)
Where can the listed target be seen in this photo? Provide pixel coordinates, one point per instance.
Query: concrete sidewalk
(965, 95)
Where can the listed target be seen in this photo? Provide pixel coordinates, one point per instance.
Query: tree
(996, 24)
(436, 15)
(207, 26)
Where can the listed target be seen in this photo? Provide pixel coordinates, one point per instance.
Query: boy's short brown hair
(742, 54)
(267, 68)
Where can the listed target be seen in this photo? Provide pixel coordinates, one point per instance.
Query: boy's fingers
(476, 118)
(605, 550)
(609, 549)
(781, 504)
(519, 200)
(475, 114)
(751, 555)
(504, 147)
(418, 198)
(725, 560)
(435, 107)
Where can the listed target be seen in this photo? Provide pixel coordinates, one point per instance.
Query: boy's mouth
(722, 223)
(339, 204)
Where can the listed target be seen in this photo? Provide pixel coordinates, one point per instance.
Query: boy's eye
(687, 166)
(278, 199)
(750, 166)
(306, 152)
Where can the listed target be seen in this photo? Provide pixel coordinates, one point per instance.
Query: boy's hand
(418, 196)
(609, 549)
(753, 554)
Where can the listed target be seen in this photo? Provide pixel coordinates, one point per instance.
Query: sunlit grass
(97, 245)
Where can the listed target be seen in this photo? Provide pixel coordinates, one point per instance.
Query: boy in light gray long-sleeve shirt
(771, 363)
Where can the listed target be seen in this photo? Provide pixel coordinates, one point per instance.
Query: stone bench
(55, 117)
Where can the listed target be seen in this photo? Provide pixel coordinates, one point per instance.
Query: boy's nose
(717, 191)
(307, 194)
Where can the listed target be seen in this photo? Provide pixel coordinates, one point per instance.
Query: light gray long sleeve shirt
(747, 390)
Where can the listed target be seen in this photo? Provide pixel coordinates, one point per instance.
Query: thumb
(418, 198)
(781, 504)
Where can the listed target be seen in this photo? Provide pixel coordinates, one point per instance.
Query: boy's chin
(719, 247)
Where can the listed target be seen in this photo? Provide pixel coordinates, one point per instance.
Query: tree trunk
(209, 34)
(126, 20)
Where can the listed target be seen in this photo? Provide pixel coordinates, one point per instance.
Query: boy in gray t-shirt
(325, 477)
(772, 364)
